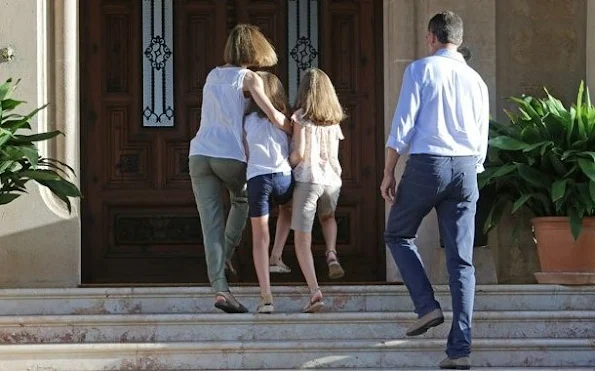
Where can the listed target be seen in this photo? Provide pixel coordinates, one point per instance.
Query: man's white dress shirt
(443, 109)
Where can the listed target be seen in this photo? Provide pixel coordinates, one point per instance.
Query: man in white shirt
(441, 121)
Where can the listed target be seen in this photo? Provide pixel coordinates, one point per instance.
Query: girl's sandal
(314, 305)
(266, 304)
(335, 271)
(279, 267)
(229, 304)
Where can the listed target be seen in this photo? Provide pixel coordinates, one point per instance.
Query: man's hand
(387, 188)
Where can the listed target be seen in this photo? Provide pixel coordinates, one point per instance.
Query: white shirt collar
(450, 54)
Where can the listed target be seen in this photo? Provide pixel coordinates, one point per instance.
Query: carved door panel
(140, 223)
(142, 71)
(351, 53)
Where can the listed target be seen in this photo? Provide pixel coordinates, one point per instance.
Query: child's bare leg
(281, 233)
(303, 250)
(260, 252)
(329, 230)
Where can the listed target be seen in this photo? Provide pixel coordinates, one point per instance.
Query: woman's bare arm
(245, 141)
(254, 85)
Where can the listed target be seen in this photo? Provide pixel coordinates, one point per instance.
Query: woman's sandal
(335, 271)
(229, 304)
(314, 305)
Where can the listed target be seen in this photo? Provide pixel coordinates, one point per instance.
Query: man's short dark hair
(448, 27)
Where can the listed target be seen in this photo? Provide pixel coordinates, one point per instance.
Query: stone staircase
(177, 328)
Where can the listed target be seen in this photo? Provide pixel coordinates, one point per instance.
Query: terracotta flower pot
(562, 259)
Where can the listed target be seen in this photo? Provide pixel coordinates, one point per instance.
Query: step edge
(272, 346)
(276, 318)
(117, 292)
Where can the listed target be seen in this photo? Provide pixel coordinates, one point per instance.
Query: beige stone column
(400, 40)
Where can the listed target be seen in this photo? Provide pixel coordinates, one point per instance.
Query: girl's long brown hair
(317, 98)
(273, 89)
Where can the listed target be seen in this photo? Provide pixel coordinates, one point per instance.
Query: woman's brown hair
(317, 98)
(247, 46)
(273, 89)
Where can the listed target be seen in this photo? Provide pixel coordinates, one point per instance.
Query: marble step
(259, 355)
(387, 298)
(281, 326)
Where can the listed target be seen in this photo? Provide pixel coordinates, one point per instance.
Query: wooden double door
(139, 219)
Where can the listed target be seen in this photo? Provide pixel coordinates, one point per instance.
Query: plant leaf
(520, 202)
(531, 147)
(40, 174)
(14, 125)
(508, 143)
(495, 214)
(534, 177)
(576, 222)
(588, 168)
(585, 196)
(31, 153)
(587, 154)
(10, 104)
(5, 89)
(559, 189)
(36, 137)
(569, 153)
(592, 190)
(7, 198)
(63, 189)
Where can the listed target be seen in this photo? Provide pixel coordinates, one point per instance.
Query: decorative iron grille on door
(158, 63)
(302, 34)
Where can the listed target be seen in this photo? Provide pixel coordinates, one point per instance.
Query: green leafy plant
(544, 159)
(20, 161)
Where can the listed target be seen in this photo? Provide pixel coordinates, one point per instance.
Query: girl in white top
(317, 172)
(217, 158)
(269, 180)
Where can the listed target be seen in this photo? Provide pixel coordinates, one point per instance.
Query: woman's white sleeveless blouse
(223, 106)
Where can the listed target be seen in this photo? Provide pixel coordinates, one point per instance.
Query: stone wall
(540, 43)
(39, 240)
(518, 46)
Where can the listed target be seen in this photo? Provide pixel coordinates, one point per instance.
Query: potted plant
(544, 160)
(20, 161)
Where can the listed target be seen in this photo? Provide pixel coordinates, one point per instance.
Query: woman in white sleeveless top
(217, 158)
